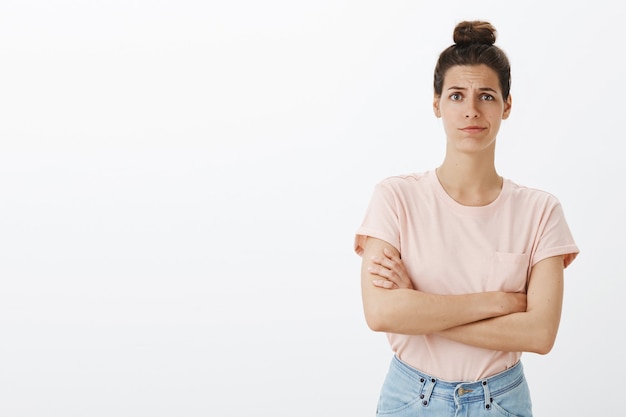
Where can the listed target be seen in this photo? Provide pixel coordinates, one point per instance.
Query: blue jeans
(409, 392)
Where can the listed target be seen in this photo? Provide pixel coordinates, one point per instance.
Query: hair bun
(476, 31)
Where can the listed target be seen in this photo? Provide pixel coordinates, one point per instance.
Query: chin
(474, 145)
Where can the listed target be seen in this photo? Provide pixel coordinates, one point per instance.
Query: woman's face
(471, 107)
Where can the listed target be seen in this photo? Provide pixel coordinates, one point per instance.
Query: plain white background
(180, 182)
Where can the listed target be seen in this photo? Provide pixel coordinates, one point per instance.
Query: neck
(469, 181)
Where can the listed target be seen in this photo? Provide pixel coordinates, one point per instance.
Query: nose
(471, 112)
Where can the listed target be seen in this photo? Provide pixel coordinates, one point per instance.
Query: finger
(397, 276)
(380, 271)
(388, 259)
(383, 283)
(389, 254)
(385, 262)
(392, 261)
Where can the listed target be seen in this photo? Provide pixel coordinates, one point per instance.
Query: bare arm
(535, 329)
(409, 311)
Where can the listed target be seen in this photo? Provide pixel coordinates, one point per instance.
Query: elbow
(542, 349)
(377, 318)
(375, 325)
(375, 322)
(378, 325)
(543, 342)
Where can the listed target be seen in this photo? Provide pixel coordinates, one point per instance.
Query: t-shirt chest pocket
(509, 272)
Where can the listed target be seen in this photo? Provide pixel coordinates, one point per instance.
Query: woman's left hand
(391, 270)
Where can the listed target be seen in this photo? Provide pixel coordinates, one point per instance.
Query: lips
(473, 129)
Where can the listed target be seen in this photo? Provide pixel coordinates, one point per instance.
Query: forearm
(535, 329)
(517, 332)
(413, 312)
(490, 320)
(409, 311)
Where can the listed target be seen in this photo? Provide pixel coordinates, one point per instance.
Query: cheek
(495, 123)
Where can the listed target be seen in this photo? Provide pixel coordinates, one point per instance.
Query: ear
(436, 110)
(507, 108)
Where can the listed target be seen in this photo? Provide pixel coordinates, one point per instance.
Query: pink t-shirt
(449, 248)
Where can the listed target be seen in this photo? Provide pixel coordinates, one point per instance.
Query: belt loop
(487, 395)
(430, 385)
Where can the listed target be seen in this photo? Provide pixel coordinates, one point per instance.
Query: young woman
(462, 268)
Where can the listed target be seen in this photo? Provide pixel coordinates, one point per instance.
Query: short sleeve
(381, 219)
(556, 238)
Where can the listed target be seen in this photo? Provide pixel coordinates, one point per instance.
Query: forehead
(471, 76)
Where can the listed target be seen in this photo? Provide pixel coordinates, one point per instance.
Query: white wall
(180, 182)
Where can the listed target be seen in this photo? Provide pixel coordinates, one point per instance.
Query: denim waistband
(463, 391)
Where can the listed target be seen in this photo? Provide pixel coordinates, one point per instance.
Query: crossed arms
(509, 322)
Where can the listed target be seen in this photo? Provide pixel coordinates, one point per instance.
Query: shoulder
(403, 182)
(522, 194)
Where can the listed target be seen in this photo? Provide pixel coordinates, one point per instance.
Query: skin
(472, 108)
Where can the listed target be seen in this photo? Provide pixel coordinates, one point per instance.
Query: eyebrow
(481, 89)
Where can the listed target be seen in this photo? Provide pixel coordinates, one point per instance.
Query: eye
(456, 96)
(487, 97)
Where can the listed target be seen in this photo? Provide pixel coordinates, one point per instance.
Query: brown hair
(474, 45)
